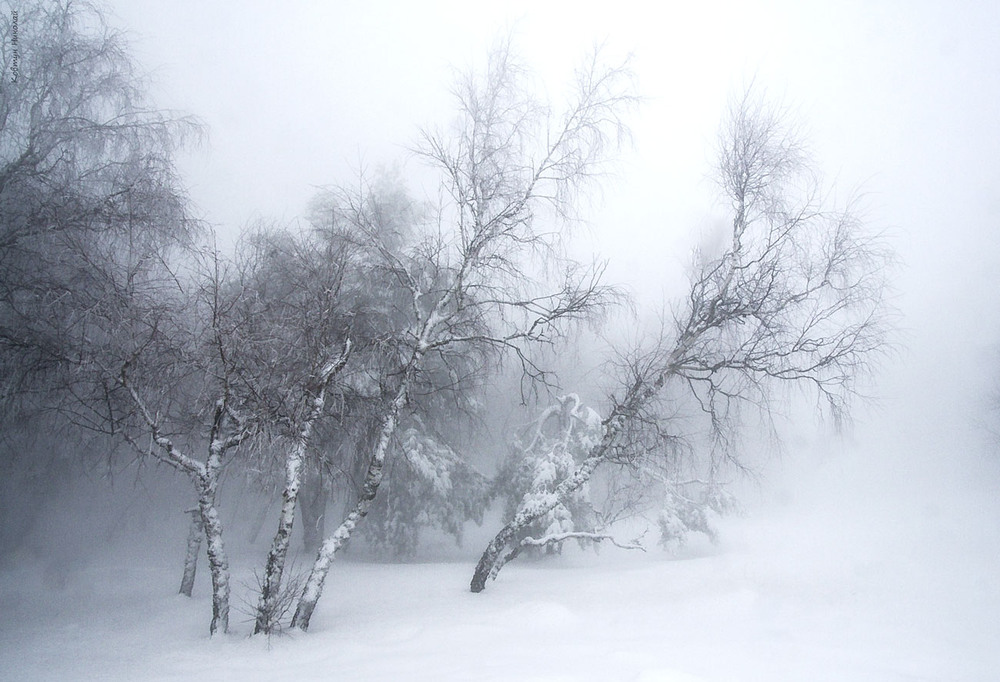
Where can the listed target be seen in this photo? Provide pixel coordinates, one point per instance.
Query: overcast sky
(899, 99)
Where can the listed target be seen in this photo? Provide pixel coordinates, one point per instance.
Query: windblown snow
(863, 572)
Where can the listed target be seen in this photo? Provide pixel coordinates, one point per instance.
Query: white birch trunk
(274, 570)
(275, 567)
(206, 481)
(373, 478)
(218, 563)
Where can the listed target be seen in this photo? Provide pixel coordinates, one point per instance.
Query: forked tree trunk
(195, 533)
(218, 564)
(205, 476)
(275, 567)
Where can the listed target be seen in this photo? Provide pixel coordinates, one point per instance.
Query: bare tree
(470, 282)
(797, 297)
(92, 215)
(294, 301)
(173, 361)
(86, 175)
(225, 433)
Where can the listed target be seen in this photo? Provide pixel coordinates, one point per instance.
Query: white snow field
(886, 576)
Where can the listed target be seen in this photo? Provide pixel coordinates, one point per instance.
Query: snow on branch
(170, 455)
(577, 535)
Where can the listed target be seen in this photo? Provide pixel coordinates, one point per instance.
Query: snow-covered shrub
(427, 486)
(682, 514)
(557, 441)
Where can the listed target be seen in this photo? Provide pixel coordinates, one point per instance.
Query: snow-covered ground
(839, 577)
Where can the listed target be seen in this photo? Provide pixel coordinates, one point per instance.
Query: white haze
(870, 556)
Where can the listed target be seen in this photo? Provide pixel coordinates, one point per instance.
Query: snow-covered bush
(428, 486)
(556, 442)
(682, 514)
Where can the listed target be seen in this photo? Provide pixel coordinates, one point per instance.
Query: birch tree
(93, 216)
(87, 182)
(474, 282)
(173, 361)
(295, 303)
(225, 434)
(796, 297)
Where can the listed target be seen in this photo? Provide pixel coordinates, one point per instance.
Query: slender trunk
(271, 589)
(275, 567)
(206, 481)
(218, 564)
(195, 534)
(373, 478)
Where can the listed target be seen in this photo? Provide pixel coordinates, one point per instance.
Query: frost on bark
(195, 533)
(218, 563)
(275, 566)
(274, 569)
(373, 479)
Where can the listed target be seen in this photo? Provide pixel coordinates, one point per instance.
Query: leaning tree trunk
(505, 546)
(195, 533)
(271, 587)
(373, 478)
(218, 564)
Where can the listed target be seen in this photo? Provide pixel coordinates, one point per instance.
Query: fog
(899, 103)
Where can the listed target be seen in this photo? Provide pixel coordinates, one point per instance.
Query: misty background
(898, 101)
(900, 105)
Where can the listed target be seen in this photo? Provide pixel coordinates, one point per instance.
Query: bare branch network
(356, 351)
